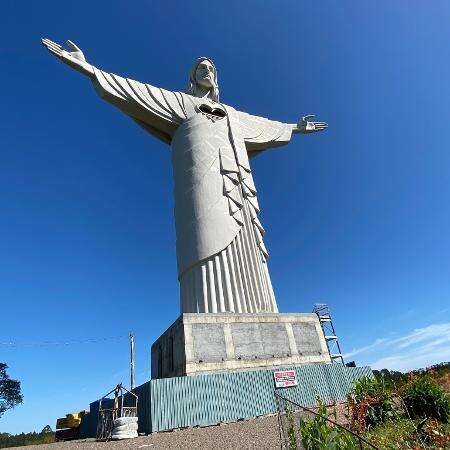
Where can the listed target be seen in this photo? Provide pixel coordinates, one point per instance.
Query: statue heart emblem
(215, 112)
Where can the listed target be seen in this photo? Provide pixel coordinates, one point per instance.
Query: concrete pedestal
(205, 343)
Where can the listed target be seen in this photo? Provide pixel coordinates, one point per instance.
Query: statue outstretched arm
(156, 110)
(261, 134)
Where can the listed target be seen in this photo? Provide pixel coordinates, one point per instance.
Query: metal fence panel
(144, 410)
(212, 398)
(205, 399)
(179, 402)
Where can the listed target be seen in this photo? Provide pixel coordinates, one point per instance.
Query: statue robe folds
(222, 260)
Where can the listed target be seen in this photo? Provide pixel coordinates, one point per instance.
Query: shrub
(291, 428)
(46, 436)
(372, 403)
(424, 398)
(319, 434)
(392, 378)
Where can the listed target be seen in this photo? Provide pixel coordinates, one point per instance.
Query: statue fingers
(73, 46)
(308, 117)
(46, 42)
(54, 48)
(50, 44)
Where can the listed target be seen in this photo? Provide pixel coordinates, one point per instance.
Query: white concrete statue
(222, 260)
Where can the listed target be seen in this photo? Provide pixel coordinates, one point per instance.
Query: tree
(10, 394)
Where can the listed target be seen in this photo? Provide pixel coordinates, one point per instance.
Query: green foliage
(376, 408)
(291, 429)
(10, 394)
(423, 397)
(436, 369)
(397, 380)
(319, 434)
(392, 378)
(373, 402)
(46, 436)
(394, 434)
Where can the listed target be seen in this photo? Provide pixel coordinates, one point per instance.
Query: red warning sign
(285, 378)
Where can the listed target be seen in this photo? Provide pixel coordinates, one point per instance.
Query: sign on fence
(285, 378)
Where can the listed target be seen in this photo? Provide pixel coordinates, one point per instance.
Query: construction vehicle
(68, 428)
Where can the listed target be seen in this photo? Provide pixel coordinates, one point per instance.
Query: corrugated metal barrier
(170, 403)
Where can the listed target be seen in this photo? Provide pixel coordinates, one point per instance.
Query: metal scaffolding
(323, 313)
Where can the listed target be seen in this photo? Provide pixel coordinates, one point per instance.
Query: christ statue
(222, 260)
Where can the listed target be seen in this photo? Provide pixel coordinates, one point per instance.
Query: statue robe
(222, 260)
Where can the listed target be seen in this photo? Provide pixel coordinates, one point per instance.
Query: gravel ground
(259, 433)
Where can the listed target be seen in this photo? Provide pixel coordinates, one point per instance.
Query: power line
(17, 344)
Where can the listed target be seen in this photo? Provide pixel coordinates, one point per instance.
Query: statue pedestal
(211, 343)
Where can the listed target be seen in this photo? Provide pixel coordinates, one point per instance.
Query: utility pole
(132, 360)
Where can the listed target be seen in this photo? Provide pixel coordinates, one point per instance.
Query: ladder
(326, 322)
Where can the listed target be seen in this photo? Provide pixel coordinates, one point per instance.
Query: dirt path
(260, 433)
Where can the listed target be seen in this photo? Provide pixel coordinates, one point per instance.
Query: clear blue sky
(357, 217)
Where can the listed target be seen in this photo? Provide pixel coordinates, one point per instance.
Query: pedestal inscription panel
(260, 340)
(208, 342)
(305, 336)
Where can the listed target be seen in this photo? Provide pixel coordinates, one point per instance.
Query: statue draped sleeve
(250, 135)
(261, 134)
(157, 110)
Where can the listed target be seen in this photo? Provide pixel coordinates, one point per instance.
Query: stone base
(205, 343)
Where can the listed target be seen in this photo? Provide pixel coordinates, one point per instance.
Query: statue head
(203, 79)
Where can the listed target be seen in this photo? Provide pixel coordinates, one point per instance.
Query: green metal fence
(170, 403)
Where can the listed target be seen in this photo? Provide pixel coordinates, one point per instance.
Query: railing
(106, 416)
(292, 415)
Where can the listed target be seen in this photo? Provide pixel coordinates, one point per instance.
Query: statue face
(204, 74)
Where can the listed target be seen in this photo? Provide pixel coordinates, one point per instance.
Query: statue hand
(74, 58)
(305, 126)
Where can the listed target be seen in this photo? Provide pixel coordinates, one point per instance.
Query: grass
(403, 433)
(394, 434)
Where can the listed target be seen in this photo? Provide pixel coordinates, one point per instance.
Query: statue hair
(192, 85)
